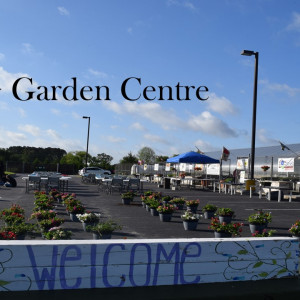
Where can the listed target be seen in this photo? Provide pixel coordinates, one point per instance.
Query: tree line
(40, 156)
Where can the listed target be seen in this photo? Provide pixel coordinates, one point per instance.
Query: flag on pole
(225, 154)
(283, 146)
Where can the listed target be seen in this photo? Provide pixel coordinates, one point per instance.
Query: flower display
(166, 209)
(224, 211)
(178, 200)
(7, 235)
(189, 216)
(265, 233)
(49, 223)
(88, 217)
(43, 214)
(192, 202)
(232, 228)
(295, 228)
(260, 218)
(57, 233)
(265, 168)
(209, 207)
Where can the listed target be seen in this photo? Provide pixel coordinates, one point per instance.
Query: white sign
(242, 164)
(286, 164)
(156, 167)
(168, 166)
(213, 169)
(182, 167)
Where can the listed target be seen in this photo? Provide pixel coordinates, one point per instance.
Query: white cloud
(280, 87)
(114, 139)
(209, 124)
(204, 146)
(53, 134)
(167, 119)
(137, 126)
(7, 80)
(56, 112)
(295, 23)
(155, 139)
(264, 137)
(220, 105)
(76, 116)
(22, 112)
(63, 11)
(98, 73)
(2, 56)
(186, 4)
(27, 48)
(130, 30)
(33, 130)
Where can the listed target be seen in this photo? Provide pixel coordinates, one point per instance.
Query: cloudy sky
(163, 43)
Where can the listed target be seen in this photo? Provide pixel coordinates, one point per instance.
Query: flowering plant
(265, 168)
(189, 216)
(224, 211)
(182, 175)
(260, 218)
(89, 217)
(295, 229)
(233, 228)
(7, 235)
(153, 203)
(128, 195)
(265, 233)
(166, 209)
(178, 200)
(209, 207)
(12, 218)
(49, 223)
(21, 228)
(57, 233)
(192, 202)
(104, 227)
(166, 198)
(76, 209)
(197, 169)
(15, 208)
(43, 214)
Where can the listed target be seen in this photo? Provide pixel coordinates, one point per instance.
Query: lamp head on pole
(247, 52)
(85, 117)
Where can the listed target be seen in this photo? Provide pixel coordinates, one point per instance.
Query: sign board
(286, 164)
(242, 177)
(182, 167)
(168, 166)
(213, 169)
(145, 167)
(156, 167)
(242, 164)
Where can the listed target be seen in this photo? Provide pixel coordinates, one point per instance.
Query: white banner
(242, 164)
(213, 169)
(156, 167)
(168, 166)
(286, 164)
(182, 167)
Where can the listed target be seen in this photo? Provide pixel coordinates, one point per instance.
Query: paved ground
(139, 224)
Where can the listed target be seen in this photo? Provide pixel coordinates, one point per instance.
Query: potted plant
(264, 233)
(12, 218)
(190, 220)
(103, 230)
(57, 233)
(166, 199)
(209, 210)
(295, 229)
(7, 235)
(165, 212)
(223, 229)
(153, 205)
(178, 202)
(192, 205)
(225, 214)
(88, 219)
(127, 197)
(74, 210)
(43, 214)
(45, 225)
(265, 168)
(259, 221)
(21, 229)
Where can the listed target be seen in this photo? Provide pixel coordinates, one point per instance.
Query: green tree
(161, 158)
(102, 160)
(147, 155)
(129, 159)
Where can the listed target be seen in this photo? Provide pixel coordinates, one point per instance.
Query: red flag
(225, 154)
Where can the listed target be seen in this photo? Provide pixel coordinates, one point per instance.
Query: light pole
(250, 53)
(87, 143)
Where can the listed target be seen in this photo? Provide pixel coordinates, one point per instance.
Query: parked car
(93, 170)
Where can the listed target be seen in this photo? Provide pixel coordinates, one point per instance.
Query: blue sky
(163, 42)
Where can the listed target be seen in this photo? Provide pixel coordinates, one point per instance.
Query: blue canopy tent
(193, 158)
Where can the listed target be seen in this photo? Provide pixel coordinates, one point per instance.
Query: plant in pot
(224, 214)
(264, 233)
(192, 205)
(178, 202)
(21, 229)
(12, 218)
(153, 204)
(295, 229)
(166, 199)
(45, 225)
(74, 210)
(43, 214)
(223, 229)
(165, 212)
(209, 211)
(190, 220)
(259, 221)
(7, 235)
(57, 233)
(127, 197)
(103, 230)
(88, 219)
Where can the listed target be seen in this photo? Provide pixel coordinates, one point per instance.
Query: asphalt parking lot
(139, 224)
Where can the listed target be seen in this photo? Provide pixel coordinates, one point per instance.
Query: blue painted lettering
(93, 266)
